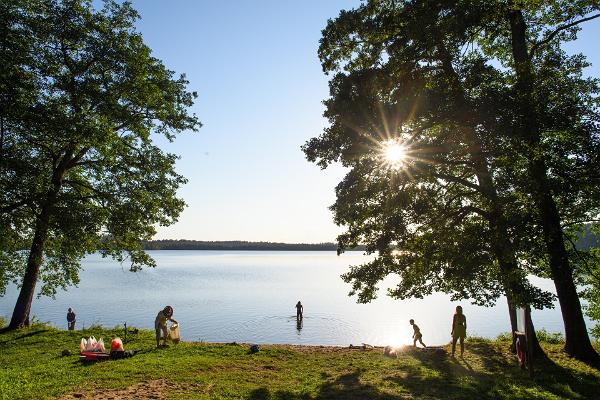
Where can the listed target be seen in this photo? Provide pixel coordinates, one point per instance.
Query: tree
(430, 46)
(79, 170)
(532, 27)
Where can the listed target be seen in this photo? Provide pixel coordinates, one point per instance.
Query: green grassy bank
(32, 367)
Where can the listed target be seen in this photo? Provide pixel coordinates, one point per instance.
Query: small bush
(550, 337)
(504, 336)
(2, 322)
(596, 332)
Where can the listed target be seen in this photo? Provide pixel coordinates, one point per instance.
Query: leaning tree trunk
(501, 244)
(577, 341)
(20, 317)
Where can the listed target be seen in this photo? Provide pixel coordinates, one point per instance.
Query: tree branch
(458, 180)
(14, 206)
(555, 32)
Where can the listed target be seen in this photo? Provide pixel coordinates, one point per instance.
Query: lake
(249, 296)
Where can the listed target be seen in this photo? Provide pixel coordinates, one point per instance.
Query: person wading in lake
(71, 318)
(299, 310)
(160, 324)
(459, 330)
(417, 335)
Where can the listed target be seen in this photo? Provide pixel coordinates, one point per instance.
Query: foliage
(588, 261)
(439, 78)
(79, 169)
(33, 368)
(550, 337)
(542, 336)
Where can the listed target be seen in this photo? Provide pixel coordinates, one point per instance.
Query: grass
(32, 367)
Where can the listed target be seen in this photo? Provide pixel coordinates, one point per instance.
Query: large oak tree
(82, 98)
(447, 72)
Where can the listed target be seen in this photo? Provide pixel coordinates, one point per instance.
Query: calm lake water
(249, 296)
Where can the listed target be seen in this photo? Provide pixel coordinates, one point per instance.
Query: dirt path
(156, 390)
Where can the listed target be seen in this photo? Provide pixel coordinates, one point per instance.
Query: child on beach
(417, 335)
(160, 324)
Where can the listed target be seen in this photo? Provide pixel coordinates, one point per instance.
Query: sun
(394, 153)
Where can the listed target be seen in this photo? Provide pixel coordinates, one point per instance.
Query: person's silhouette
(417, 336)
(299, 310)
(459, 330)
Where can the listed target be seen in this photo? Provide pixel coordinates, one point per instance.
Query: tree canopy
(483, 192)
(82, 99)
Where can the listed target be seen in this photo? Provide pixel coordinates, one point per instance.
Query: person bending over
(160, 324)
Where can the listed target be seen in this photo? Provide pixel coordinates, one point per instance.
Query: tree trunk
(20, 317)
(512, 314)
(577, 341)
(501, 244)
(537, 351)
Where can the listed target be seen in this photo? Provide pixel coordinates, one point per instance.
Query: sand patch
(159, 389)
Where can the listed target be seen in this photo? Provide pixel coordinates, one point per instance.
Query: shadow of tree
(22, 336)
(442, 377)
(346, 386)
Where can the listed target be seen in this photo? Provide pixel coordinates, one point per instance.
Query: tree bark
(20, 316)
(577, 341)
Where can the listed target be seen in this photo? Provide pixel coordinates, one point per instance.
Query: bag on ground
(116, 345)
(174, 333)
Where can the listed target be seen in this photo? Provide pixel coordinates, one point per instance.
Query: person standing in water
(459, 330)
(160, 324)
(71, 318)
(417, 335)
(299, 310)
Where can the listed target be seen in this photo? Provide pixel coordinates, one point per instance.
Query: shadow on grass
(442, 377)
(21, 336)
(345, 386)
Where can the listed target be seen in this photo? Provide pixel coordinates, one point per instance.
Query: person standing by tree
(71, 318)
(459, 330)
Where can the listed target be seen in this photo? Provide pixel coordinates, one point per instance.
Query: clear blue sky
(254, 65)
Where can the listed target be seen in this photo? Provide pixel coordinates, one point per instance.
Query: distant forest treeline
(585, 241)
(237, 245)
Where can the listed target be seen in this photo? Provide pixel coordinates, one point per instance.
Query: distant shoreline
(239, 245)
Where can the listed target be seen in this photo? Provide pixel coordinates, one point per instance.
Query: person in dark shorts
(71, 319)
(459, 330)
(299, 310)
(417, 335)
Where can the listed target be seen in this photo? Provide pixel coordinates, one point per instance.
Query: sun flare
(394, 153)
